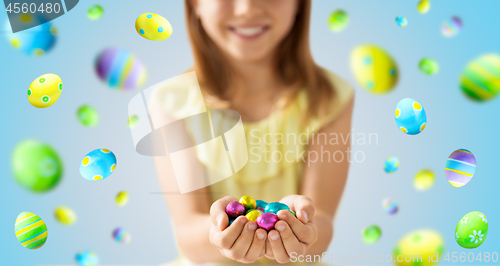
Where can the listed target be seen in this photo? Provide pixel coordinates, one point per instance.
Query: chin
(249, 55)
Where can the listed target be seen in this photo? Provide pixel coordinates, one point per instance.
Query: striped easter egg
(460, 167)
(31, 230)
(120, 69)
(480, 80)
(121, 235)
(390, 206)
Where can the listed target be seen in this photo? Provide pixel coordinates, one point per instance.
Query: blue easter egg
(36, 40)
(410, 116)
(261, 204)
(391, 165)
(87, 258)
(98, 164)
(275, 207)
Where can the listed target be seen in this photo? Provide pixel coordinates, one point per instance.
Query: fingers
(269, 249)
(303, 232)
(279, 251)
(242, 244)
(304, 208)
(218, 212)
(257, 248)
(227, 238)
(290, 241)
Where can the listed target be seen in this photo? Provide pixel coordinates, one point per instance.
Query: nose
(247, 8)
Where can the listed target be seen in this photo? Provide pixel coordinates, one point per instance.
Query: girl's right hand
(241, 241)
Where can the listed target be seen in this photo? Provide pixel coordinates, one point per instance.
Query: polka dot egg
(153, 27)
(471, 230)
(427, 245)
(98, 164)
(391, 165)
(401, 21)
(374, 69)
(31, 230)
(460, 167)
(410, 116)
(45, 90)
(87, 258)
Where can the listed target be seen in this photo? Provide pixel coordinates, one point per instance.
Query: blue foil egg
(275, 207)
(410, 116)
(98, 164)
(261, 204)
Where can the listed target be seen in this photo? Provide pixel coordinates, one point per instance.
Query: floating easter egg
(235, 209)
(460, 167)
(35, 40)
(480, 79)
(424, 179)
(252, 215)
(122, 198)
(248, 202)
(338, 20)
(45, 90)
(427, 245)
(120, 69)
(95, 12)
(261, 204)
(98, 164)
(87, 258)
(275, 207)
(31, 230)
(374, 69)
(424, 6)
(401, 21)
(451, 27)
(153, 27)
(428, 66)
(133, 121)
(471, 230)
(267, 220)
(87, 115)
(121, 235)
(36, 166)
(65, 215)
(371, 234)
(391, 165)
(410, 116)
(390, 206)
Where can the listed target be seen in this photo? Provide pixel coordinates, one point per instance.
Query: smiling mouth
(249, 32)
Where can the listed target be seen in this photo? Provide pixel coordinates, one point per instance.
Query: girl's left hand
(292, 235)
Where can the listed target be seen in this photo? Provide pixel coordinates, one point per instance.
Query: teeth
(249, 31)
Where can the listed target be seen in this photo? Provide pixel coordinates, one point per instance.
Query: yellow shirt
(281, 137)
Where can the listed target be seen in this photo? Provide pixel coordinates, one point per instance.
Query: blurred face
(247, 30)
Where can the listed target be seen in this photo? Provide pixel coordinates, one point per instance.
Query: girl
(253, 56)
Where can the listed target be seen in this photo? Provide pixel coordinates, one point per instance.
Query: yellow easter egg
(422, 247)
(374, 69)
(45, 90)
(65, 215)
(253, 215)
(121, 198)
(153, 27)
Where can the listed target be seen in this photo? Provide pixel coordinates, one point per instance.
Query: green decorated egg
(420, 247)
(371, 234)
(87, 115)
(31, 230)
(480, 80)
(338, 20)
(428, 66)
(472, 230)
(36, 166)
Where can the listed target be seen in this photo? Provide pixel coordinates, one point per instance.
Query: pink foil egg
(260, 209)
(267, 221)
(235, 209)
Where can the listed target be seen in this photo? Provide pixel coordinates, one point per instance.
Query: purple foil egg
(235, 209)
(267, 220)
(260, 209)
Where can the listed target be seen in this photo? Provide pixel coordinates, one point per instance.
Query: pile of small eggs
(265, 214)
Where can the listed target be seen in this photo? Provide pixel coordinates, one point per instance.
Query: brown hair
(295, 63)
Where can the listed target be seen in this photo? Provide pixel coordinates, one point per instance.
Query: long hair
(294, 61)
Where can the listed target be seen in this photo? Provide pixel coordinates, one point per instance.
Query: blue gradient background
(453, 122)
